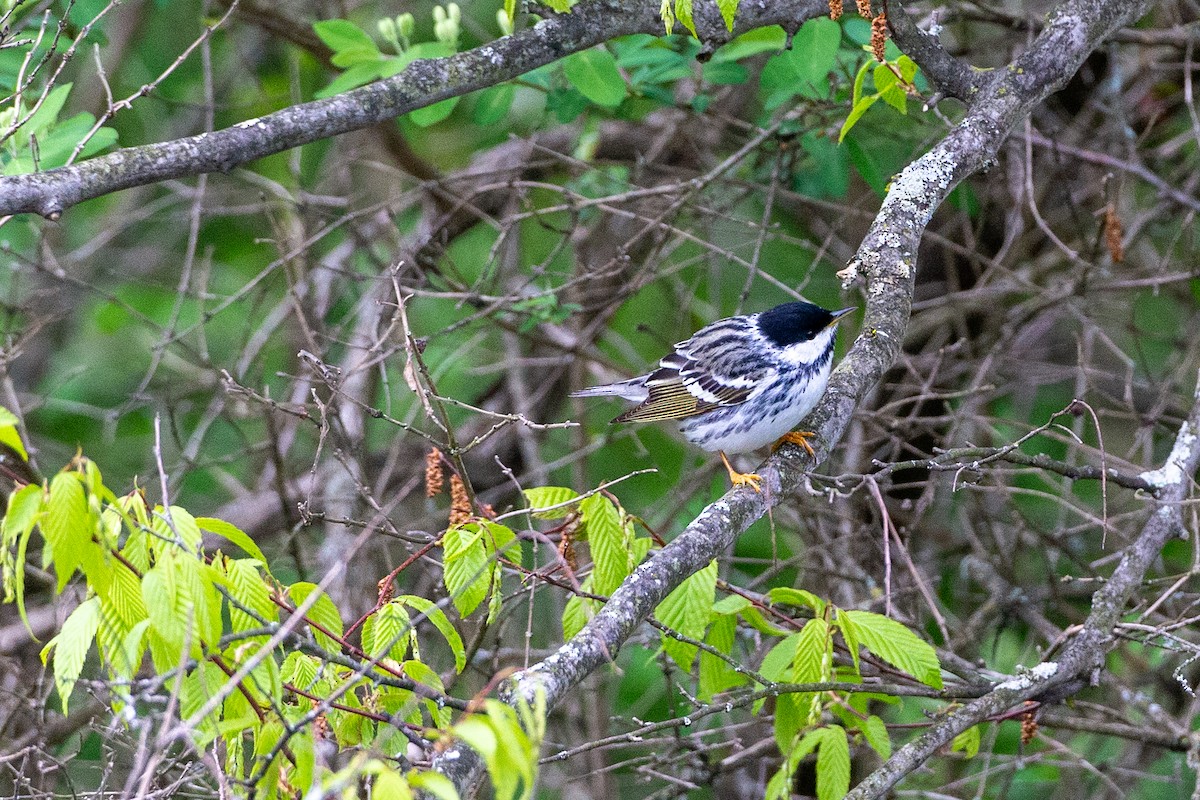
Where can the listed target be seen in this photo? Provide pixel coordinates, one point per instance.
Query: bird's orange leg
(797, 438)
(742, 478)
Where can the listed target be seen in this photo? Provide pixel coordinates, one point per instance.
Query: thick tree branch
(425, 82)
(886, 264)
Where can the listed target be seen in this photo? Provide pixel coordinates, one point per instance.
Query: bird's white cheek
(803, 353)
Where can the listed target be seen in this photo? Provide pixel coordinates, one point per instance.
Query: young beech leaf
(551, 498)
(894, 643)
(687, 610)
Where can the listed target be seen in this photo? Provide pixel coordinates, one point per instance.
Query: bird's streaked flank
(740, 383)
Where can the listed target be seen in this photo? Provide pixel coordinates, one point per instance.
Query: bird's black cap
(792, 323)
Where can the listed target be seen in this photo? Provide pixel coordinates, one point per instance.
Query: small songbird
(740, 383)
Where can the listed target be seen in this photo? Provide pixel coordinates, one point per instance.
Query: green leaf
(876, 734)
(433, 114)
(357, 75)
(434, 783)
(833, 764)
(492, 104)
(727, 8)
(594, 73)
(890, 88)
(861, 107)
(687, 610)
(760, 40)
(323, 612)
(797, 597)
(442, 623)
(777, 664)
(71, 647)
(548, 497)
(465, 567)
(577, 612)
(683, 13)
(66, 525)
(610, 546)
(895, 644)
(813, 653)
(967, 742)
(252, 597)
(234, 534)
(716, 674)
(732, 604)
(386, 632)
(342, 35)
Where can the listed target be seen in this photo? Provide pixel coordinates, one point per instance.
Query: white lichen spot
(250, 123)
(1044, 670)
(1016, 684)
(1172, 472)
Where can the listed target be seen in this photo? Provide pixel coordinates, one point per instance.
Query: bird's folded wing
(681, 388)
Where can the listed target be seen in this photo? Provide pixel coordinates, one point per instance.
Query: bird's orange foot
(742, 478)
(798, 438)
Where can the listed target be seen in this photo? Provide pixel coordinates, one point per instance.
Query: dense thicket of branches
(1006, 457)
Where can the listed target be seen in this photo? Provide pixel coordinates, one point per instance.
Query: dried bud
(460, 503)
(835, 9)
(1114, 233)
(435, 477)
(879, 31)
(864, 8)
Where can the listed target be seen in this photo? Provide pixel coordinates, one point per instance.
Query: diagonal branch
(1085, 653)
(886, 264)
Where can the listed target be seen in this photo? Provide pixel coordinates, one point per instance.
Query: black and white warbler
(740, 383)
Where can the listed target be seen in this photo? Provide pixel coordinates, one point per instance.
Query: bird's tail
(633, 389)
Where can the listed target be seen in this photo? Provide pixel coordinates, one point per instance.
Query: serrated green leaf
(594, 73)
(386, 632)
(890, 89)
(732, 604)
(876, 734)
(71, 647)
(608, 543)
(668, 16)
(687, 610)
(797, 597)
(66, 524)
(252, 599)
(576, 614)
(323, 612)
(728, 9)
(547, 497)
(465, 567)
(716, 674)
(967, 742)
(232, 533)
(683, 13)
(442, 623)
(777, 664)
(833, 764)
(897, 645)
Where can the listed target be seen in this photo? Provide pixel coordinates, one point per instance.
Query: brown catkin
(435, 478)
(460, 503)
(1029, 727)
(864, 8)
(879, 37)
(1114, 232)
(835, 9)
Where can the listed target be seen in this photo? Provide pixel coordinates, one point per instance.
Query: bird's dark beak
(837, 315)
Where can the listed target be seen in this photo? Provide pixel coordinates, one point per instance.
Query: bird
(739, 383)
